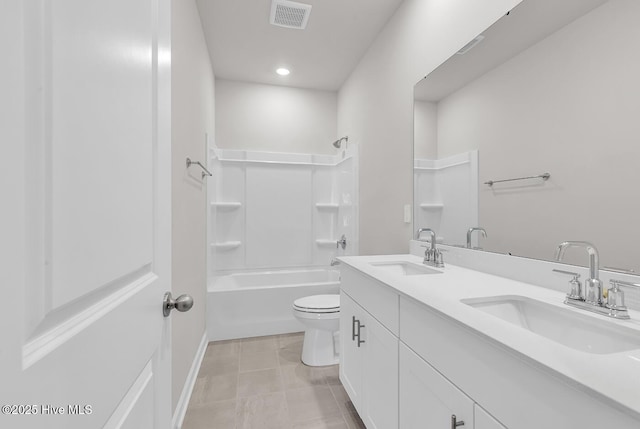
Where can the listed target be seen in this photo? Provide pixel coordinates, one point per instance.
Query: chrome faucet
(420, 231)
(470, 231)
(591, 297)
(432, 256)
(592, 285)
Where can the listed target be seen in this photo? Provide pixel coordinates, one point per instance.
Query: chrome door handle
(182, 303)
(455, 423)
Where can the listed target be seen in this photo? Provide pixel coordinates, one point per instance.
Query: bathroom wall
(425, 124)
(533, 115)
(273, 118)
(375, 106)
(192, 116)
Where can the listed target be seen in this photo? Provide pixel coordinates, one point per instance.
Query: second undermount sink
(404, 268)
(578, 331)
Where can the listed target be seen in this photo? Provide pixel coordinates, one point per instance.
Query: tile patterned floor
(260, 383)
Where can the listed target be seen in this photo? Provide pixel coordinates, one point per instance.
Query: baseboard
(185, 396)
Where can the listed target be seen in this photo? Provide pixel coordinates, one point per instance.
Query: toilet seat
(322, 304)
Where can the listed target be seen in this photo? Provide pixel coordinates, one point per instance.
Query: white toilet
(321, 316)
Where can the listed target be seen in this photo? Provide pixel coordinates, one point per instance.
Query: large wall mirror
(552, 87)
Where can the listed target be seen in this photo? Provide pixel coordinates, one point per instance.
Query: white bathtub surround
(273, 210)
(446, 195)
(549, 379)
(274, 221)
(255, 303)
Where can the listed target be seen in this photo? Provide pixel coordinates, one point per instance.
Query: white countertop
(613, 377)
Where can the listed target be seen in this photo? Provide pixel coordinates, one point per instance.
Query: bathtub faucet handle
(342, 242)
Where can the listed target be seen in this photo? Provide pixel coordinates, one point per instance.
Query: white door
(85, 219)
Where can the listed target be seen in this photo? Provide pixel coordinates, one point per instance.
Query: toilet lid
(318, 304)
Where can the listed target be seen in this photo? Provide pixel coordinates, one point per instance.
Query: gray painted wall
(192, 115)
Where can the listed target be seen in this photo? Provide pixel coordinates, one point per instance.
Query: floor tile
(212, 416)
(259, 382)
(213, 389)
(342, 398)
(310, 403)
(258, 344)
(336, 422)
(218, 365)
(287, 339)
(353, 421)
(290, 354)
(332, 375)
(263, 412)
(301, 375)
(223, 348)
(258, 360)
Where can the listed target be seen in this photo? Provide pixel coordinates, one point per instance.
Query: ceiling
(244, 46)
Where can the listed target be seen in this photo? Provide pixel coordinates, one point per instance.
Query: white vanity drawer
(514, 389)
(381, 301)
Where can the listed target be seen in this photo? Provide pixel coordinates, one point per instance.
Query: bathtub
(251, 304)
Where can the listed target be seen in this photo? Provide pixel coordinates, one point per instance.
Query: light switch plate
(407, 213)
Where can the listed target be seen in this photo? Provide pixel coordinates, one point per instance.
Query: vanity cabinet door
(484, 420)
(427, 399)
(380, 378)
(351, 356)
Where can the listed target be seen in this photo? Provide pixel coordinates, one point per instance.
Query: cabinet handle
(359, 340)
(454, 423)
(353, 328)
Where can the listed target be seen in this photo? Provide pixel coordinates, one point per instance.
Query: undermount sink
(564, 326)
(405, 268)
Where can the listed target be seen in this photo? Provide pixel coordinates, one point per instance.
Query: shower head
(338, 142)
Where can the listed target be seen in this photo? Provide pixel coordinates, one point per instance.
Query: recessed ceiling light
(282, 71)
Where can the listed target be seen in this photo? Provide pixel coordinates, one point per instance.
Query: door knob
(182, 303)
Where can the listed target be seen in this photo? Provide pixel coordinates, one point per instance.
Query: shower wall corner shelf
(226, 245)
(324, 242)
(329, 206)
(431, 206)
(226, 205)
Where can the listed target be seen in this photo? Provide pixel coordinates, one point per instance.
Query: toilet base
(320, 347)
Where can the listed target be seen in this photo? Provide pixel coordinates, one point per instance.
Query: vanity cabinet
(482, 419)
(407, 365)
(351, 356)
(368, 358)
(427, 399)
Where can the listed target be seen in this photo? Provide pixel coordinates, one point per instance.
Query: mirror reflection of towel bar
(544, 176)
(205, 173)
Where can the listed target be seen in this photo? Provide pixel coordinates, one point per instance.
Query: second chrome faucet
(432, 256)
(592, 297)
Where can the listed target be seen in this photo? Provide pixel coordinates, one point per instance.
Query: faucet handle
(575, 288)
(615, 299)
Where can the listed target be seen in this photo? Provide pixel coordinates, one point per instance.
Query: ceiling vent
(469, 46)
(290, 14)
